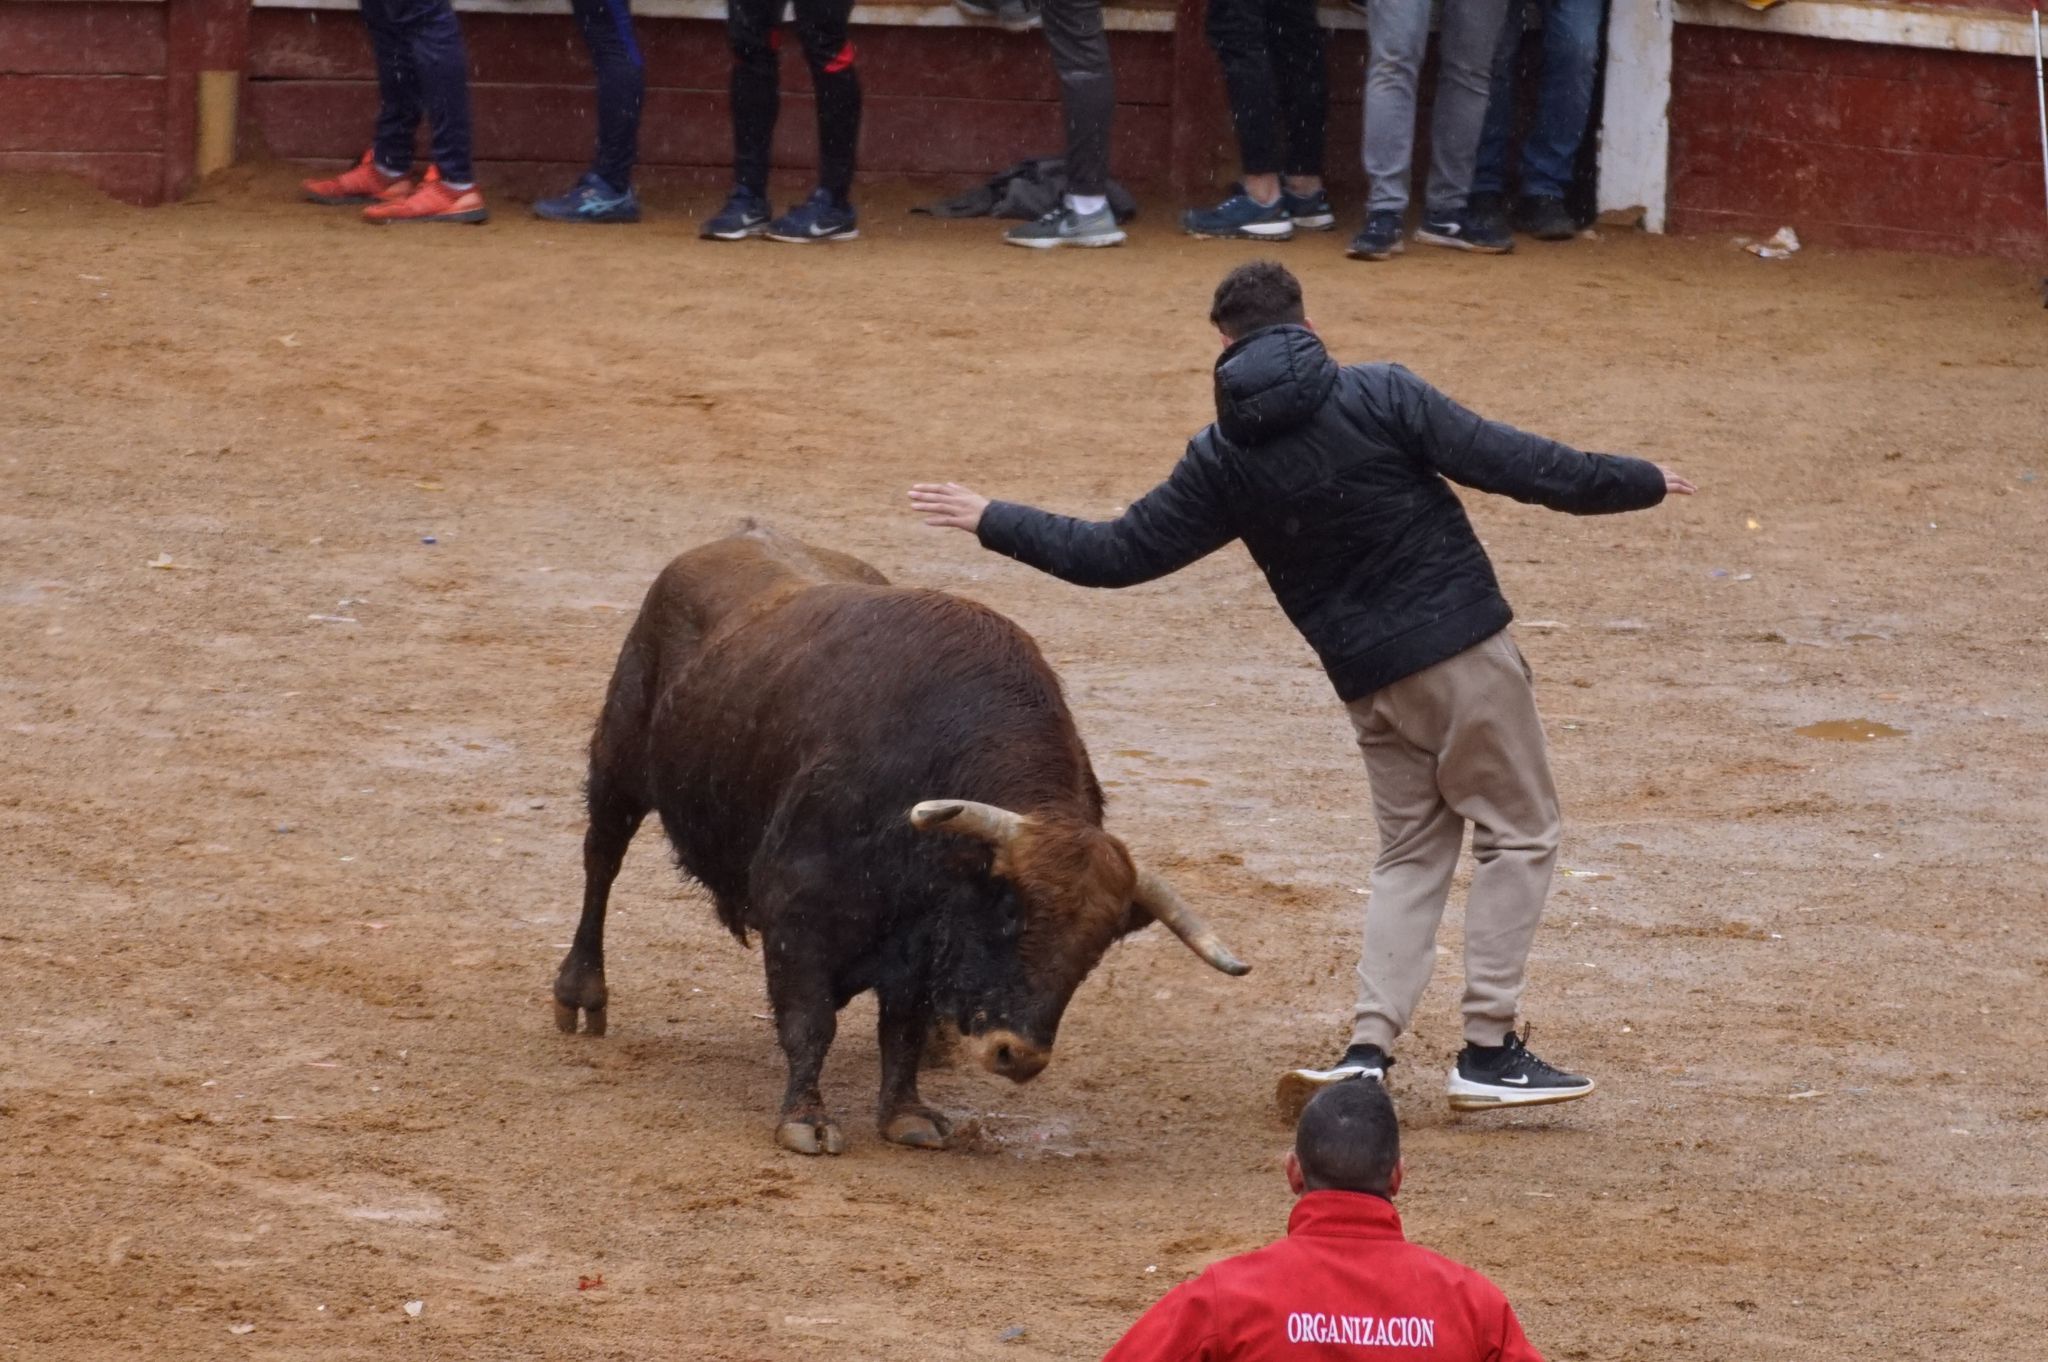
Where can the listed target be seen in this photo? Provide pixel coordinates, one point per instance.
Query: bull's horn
(1156, 897)
(996, 826)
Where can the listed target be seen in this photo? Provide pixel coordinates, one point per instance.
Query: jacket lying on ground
(1345, 1284)
(1334, 479)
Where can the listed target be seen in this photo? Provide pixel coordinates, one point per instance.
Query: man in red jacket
(1344, 1283)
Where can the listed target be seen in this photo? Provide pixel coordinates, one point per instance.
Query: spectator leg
(607, 27)
(756, 88)
(1399, 30)
(1466, 43)
(821, 27)
(398, 88)
(1080, 55)
(1564, 98)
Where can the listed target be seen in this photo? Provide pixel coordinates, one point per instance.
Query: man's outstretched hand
(1676, 484)
(948, 505)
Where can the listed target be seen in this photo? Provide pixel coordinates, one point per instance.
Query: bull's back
(844, 704)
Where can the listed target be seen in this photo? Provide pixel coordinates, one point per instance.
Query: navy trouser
(422, 67)
(757, 88)
(1564, 99)
(1273, 68)
(621, 87)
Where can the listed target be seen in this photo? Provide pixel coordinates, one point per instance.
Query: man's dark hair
(1348, 1139)
(1255, 296)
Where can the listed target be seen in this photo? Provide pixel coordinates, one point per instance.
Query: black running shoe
(1311, 210)
(1379, 238)
(1488, 207)
(1545, 217)
(1467, 233)
(821, 217)
(1509, 1075)
(1297, 1086)
(745, 214)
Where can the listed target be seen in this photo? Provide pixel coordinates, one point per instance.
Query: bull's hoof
(921, 1128)
(805, 1137)
(565, 1019)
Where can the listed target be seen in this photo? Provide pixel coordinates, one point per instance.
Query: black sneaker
(1466, 233)
(821, 217)
(1509, 1075)
(1297, 1086)
(1240, 215)
(745, 214)
(1379, 238)
(1311, 210)
(1545, 217)
(1488, 207)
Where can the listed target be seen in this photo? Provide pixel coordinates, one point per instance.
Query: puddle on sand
(1850, 730)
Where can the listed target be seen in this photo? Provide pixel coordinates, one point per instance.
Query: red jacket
(1344, 1284)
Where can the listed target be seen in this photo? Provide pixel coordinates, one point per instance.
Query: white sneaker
(1065, 227)
(1297, 1086)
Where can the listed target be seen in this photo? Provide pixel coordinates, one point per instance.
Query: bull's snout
(1011, 1055)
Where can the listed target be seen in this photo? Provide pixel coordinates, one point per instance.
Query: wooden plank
(1984, 203)
(1984, 116)
(1125, 16)
(81, 39)
(1988, 26)
(692, 55)
(81, 113)
(1858, 235)
(133, 177)
(330, 120)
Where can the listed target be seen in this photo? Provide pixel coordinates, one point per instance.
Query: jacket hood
(1270, 382)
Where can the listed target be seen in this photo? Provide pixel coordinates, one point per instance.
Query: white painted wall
(1635, 119)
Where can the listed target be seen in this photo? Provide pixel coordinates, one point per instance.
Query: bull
(885, 786)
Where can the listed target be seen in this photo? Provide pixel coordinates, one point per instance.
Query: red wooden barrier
(1854, 143)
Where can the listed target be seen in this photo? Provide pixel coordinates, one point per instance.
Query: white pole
(2041, 103)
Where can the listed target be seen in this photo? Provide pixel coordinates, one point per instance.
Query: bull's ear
(998, 827)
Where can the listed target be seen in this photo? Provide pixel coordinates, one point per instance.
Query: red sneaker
(433, 201)
(364, 183)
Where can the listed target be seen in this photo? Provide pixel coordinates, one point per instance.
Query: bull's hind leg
(904, 1029)
(579, 984)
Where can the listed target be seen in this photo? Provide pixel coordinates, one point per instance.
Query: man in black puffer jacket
(1334, 478)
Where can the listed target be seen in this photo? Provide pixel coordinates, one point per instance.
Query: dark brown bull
(885, 784)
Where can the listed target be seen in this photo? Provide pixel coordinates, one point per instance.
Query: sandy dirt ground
(280, 897)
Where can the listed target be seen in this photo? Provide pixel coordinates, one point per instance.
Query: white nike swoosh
(817, 229)
(1516, 1080)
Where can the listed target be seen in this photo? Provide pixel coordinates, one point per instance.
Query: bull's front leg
(805, 1022)
(905, 1026)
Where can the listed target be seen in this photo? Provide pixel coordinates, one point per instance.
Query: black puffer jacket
(1334, 479)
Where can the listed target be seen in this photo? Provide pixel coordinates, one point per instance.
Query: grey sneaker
(1065, 227)
(1019, 16)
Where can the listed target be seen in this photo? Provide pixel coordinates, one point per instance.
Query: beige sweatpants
(1457, 743)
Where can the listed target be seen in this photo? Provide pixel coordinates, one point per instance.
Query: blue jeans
(621, 87)
(421, 68)
(1564, 99)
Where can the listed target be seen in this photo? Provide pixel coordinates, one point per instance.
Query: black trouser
(757, 88)
(1080, 55)
(421, 67)
(1272, 57)
(621, 86)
